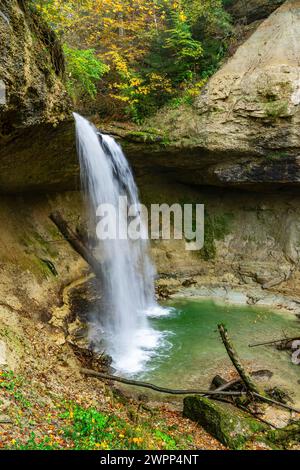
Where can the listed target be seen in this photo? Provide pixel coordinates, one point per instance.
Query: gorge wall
(236, 150)
(34, 108)
(33, 103)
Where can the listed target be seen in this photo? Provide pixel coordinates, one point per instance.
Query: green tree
(156, 51)
(84, 70)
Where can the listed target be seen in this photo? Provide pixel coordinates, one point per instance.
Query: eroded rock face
(31, 68)
(244, 127)
(32, 101)
(252, 10)
(253, 101)
(243, 130)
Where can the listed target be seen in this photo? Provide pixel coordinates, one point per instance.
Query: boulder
(226, 423)
(251, 105)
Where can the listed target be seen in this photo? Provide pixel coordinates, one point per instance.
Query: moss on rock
(229, 425)
(285, 437)
(150, 136)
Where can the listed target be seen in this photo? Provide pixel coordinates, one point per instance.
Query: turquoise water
(193, 353)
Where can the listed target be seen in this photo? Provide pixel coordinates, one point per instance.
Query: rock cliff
(32, 100)
(244, 127)
(251, 10)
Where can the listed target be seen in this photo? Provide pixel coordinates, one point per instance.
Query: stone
(217, 382)
(4, 404)
(4, 419)
(226, 423)
(251, 103)
(60, 339)
(262, 374)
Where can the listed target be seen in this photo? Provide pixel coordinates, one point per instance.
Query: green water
(193, 352)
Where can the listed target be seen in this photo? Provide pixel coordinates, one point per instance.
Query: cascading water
(125, 265)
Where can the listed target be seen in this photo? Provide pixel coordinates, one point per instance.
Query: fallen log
(250, 385)
(71, 237)
(170, 391)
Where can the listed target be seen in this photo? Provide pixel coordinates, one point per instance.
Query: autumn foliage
(133, 56)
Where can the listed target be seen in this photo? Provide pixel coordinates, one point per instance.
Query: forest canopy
(127, 58)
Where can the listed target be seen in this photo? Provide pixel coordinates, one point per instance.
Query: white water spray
(125, 265)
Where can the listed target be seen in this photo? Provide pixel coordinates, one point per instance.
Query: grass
(274, 156)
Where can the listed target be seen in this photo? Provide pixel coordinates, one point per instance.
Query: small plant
(276, 109)
(7, 380)
(71, 426)
(274, 156)
(87, 425)
(35, 443)
(91, 429)
(12, 384)
(168, 442)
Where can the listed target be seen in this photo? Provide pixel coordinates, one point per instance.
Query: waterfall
(127, 272)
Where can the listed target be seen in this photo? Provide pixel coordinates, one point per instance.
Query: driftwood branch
(170, 391)
(250, 385)
(276, 341)
(71, 237)
(277, 403)
(228, 385)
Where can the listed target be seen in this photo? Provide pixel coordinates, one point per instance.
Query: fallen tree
(171, 391)
(71, 237)
(245, 377)
(209, 393)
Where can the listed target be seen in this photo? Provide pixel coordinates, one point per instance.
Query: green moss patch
(216, 227)
(225, 422)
